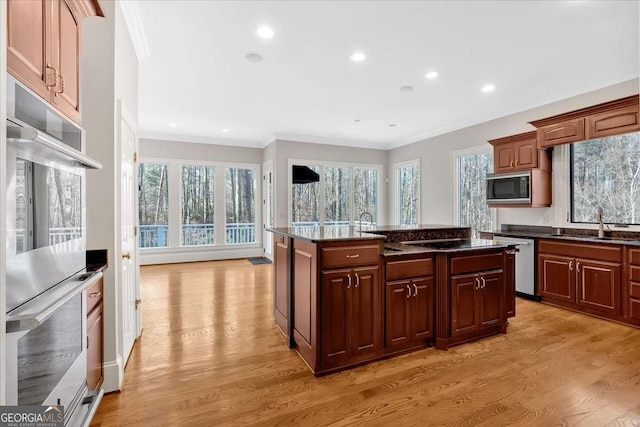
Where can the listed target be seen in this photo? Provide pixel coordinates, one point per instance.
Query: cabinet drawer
(608, 253)
(281, 240)
(409, 268)
(474, 263)
(94, 295)
(634, 256)
(634, 309)
(634, 273)
(350, 256)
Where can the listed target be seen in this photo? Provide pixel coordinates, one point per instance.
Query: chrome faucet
(360, 220)
(600, 223)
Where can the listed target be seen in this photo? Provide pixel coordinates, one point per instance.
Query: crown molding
(199, 140)
(330, 141)
(136, 28)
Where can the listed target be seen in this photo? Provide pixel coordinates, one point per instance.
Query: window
(365, 194)
(305, 205)
(240, 185)
(341, 195)
(408, 193)
(605, 173)
(472, 191)
(198, 205)
(153, 205)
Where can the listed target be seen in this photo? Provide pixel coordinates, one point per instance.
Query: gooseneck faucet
(360, 220)
(600, 223)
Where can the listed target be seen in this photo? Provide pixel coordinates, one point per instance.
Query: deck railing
(157, 236)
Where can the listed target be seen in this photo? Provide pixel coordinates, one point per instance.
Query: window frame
(396, 188)
(456, 155)
(174, 167)
(321, 205)
(155, 161)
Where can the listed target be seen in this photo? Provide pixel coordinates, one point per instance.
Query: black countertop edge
(399, 249)
(346, 233)
(583, 239)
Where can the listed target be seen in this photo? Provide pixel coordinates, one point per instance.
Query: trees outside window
(472, 191)
(341, 195)
(153, 205)
(408, 193)
(240, 189)
(198, 194)
(605, 173)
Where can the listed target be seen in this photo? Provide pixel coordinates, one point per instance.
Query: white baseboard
(113, 375)
(169, 256)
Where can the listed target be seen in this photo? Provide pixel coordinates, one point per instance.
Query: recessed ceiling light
(432, 75)
(225, 130)
(488, 88)
(358, 57)
(265, 32)
(406, 88)
(173, 125)
(392, 125)
(254, 57)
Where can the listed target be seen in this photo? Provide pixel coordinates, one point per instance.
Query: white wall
(282, 151)
(109, 72)
(437, 166)
(3, 163)
(179, 150)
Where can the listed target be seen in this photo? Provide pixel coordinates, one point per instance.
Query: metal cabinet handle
(349, 285)
(477, 283)
(511, 164)
(415, 290)
(571, 265)
(55, 77)
(484, 282)
(353, 256)
(516, 162)
(357, 279)
(408, 291)
(56, 92)
(95, 294)
(578, 266)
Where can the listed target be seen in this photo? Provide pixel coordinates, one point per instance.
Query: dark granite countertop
(399, 249)
(328, 233)
(584, 238)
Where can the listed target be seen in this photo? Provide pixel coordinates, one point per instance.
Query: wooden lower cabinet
(281, 262)
(409, 312)
(557, 277)
(351, 315)
(633, 255)
(95, 325)
(598, 285)
(476, 302)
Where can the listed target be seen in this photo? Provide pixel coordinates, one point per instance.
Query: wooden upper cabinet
(561, 133)
(28, 27)
(606, 119)
(66, 59)
(519, 152)
(622, 120)
(43, 48)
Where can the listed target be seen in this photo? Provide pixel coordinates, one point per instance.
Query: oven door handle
(27, 135)
(38, 310)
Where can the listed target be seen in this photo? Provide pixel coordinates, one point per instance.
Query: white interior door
(267, 207)
(131, 320)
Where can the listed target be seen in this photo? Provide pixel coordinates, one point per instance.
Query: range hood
(304, 175)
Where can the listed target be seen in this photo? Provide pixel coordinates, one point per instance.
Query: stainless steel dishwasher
(525, 264)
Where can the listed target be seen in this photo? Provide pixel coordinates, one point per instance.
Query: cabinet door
(398, 327)
(557, 278)
(335, 316)
(504, 158)
(422, 302)
(491, 297)
(66, 59)
(599, 285)
(561, 133)
(366, 312)
(28, 36)
(616, 122)
(94, 348)
(526, 154)
(463, 304)
(281, 278)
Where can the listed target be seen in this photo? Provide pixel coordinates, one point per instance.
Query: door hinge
(138, 302)
(87, 342)
(135, 231)
(135, 157)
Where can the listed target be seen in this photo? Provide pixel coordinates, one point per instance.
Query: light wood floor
(211, 355)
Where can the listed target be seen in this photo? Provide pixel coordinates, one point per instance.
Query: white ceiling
(196, 75)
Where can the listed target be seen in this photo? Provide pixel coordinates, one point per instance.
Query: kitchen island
(345, 297)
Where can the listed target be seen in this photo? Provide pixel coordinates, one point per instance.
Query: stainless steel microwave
(509, 188)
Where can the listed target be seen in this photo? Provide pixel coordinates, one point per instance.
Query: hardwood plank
(210, 354)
